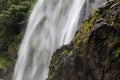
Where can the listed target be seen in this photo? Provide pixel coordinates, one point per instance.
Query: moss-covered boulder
(94, 53)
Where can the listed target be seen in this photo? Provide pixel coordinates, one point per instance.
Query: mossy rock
(94, 53)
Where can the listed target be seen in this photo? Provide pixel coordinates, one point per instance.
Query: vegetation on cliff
(13, 19)
(94, 53)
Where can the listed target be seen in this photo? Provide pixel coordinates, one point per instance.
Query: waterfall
(52, 24)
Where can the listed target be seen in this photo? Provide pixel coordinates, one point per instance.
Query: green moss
(94, 16)
(64, 52)
(57, 67)
(84, 29)
(116, 53)
(103, 36)
(3, 63)
(111, 40)
(51, 76)
(86, 25)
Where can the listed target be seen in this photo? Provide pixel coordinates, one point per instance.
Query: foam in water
(52, 24)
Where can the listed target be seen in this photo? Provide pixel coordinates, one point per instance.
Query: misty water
(52, 24)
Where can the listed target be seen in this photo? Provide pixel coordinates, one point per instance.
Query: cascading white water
(52, 24)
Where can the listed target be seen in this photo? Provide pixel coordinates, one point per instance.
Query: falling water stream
(52, 24)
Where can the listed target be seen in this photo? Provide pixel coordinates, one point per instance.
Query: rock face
(94, 53)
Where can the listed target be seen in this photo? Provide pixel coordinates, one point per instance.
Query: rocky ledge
(94, 53)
